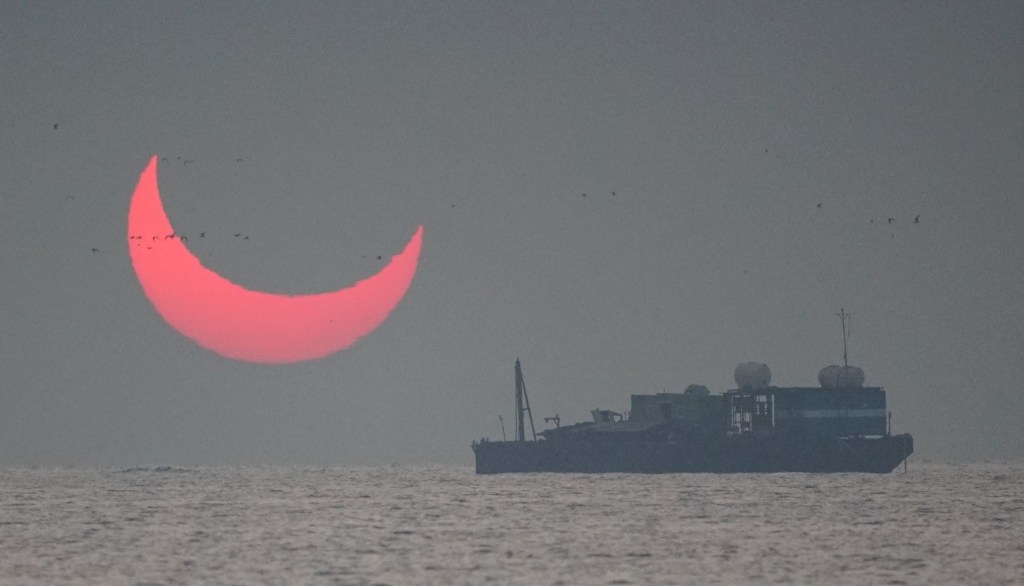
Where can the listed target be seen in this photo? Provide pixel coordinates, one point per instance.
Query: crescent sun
(242, 324)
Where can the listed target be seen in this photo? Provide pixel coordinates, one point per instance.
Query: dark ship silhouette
(840, 426)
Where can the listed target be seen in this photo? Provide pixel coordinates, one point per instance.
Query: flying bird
(95, 250)
(917, 219)
(891, 220)
(819, 204)
(55, 125)
(202, 234)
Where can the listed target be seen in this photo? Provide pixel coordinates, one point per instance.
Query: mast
(843, 316)
(522, 406)
(520, 432)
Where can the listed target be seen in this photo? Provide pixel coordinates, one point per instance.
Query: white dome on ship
(753, 375)
(698, 390)
(841, 377)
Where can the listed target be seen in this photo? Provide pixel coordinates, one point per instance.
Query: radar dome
(698, 390)
(841, 377)
(753, 375)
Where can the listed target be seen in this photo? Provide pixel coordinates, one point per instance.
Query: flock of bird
(240, 235)
(889, 220)
(171, 236)
(56, 125)
(141, 239)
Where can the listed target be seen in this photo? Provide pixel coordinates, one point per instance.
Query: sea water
(936, 524)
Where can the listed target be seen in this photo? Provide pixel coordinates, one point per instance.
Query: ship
(839, 426)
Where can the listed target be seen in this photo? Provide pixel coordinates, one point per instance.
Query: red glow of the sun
(253, 325)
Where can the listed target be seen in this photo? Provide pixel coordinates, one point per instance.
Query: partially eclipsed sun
(253, 325)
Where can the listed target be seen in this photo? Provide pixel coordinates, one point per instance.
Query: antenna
(843, 316)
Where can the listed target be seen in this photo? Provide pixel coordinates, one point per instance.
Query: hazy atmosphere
(630, 197)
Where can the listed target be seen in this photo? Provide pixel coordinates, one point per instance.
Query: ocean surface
(937, 524)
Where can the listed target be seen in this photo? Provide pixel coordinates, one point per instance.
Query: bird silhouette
(917, 219)
(891, 220)
(95, 250)
(202, 234)
(819, 204)
(55, 126)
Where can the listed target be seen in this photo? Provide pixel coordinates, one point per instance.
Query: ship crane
(522, 407)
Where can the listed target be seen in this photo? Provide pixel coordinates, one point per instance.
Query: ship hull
(728, 454)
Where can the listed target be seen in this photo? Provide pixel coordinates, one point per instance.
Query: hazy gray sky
(756, 152)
